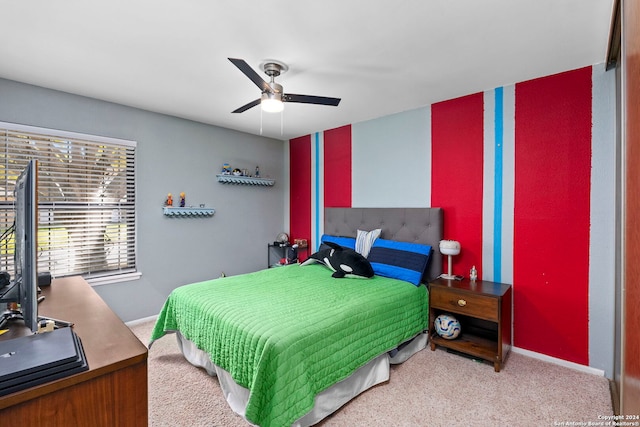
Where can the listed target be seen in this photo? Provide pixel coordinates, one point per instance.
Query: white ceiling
(380, 57)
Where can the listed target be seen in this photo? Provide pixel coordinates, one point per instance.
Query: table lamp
(449, 248)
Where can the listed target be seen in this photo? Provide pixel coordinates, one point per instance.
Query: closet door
(630, 381)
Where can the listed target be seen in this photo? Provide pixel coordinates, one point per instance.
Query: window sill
(113, 278)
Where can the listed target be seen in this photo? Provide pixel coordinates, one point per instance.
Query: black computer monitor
(26, 244)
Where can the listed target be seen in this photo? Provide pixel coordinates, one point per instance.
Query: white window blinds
(86, 200)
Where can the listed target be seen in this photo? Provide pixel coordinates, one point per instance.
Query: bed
(290, 345)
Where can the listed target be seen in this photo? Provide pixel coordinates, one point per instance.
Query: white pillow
(365, 239)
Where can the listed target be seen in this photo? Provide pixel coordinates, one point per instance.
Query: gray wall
(602, 257)
(410, 134)
(172, 155)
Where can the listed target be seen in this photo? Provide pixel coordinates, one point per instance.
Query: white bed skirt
(328, 401)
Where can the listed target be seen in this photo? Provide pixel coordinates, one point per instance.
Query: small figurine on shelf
(226, 169)
(473, 274)
(257, 175)
(182, 200)
(169, 201)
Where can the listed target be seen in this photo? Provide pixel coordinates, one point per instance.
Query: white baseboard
(554, 360)
(138, 321)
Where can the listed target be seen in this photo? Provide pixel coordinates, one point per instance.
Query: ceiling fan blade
(247, 106)
(310, 99)
(249, 72)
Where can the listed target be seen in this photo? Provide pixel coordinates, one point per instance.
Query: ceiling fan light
(271, 103)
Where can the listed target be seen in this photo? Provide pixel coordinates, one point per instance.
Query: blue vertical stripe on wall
(498, 185)
(317, 226)
(488, 186)
(497, 200)
(316, 192)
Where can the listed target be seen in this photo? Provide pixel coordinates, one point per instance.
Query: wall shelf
(188, 212)
(245, 180)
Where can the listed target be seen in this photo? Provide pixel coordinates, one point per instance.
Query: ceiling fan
(273, 97)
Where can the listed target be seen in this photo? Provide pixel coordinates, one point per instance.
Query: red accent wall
(551, 225)
(456, 175)
(337, 167)
(300, 189)
(551, 200)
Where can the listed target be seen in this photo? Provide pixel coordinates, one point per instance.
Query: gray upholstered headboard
(417, 225)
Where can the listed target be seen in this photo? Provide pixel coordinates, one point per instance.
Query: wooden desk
(113, 392)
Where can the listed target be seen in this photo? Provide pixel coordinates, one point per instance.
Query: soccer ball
(447, 326)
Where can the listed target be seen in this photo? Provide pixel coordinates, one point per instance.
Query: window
(86, 201)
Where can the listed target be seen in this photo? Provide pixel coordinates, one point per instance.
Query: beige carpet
(430, 389)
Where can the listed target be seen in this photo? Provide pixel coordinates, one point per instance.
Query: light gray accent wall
(391, 163)
(602, 271)
(173, 155)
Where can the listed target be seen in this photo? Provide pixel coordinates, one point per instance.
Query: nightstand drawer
(476, 305)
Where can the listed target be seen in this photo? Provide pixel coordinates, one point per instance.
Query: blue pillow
(399, 260)
(346, 242)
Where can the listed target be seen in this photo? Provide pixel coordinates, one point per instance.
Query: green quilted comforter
(288, 333)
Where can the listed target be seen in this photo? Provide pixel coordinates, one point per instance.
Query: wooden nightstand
(484, 311)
